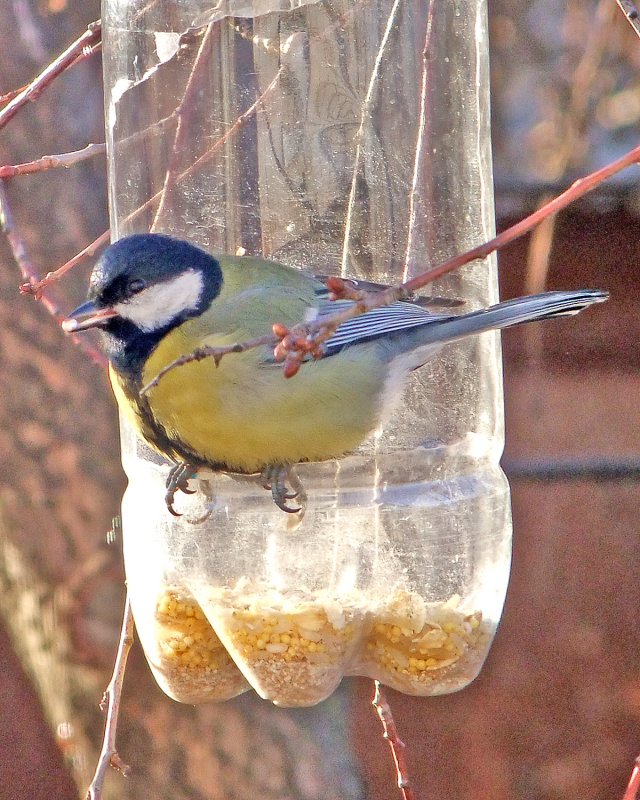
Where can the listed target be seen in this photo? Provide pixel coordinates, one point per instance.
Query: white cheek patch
(157, 306)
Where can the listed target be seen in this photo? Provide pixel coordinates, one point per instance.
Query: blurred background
(555, 714)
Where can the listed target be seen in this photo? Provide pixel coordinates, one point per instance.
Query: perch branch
(83, 45)
(108, 754)
(577, 190)
(294, 344)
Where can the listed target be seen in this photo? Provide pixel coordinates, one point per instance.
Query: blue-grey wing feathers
(434, 329)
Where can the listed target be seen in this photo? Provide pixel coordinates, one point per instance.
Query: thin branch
(108, 754)
(16, 243)
(36, 287)
(631, 13)
(52, 277)
(390, 733)
(300, 341)
(364, 122)
(577, 190)
(82, 44)
(28, 271)
(87, 52)
(184, 112)
(65, 160)
(419, 150)
(210, 352)
(8, 96)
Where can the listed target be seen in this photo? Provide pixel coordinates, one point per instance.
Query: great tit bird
(156, 298)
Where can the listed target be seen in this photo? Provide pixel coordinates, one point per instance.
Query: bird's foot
(178, 480)
(275, 477)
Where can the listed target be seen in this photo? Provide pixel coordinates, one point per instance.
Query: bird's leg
(275, 478)
(178, 479)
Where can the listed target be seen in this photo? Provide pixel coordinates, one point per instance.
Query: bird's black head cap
(150, 258)
(141, 266)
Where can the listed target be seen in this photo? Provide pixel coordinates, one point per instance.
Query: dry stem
(83, 45)
(297, 342)
(113, 693)
(184, 112)
(65, 160)
(365, 123)
(90, 250)
(390, 733)
(28, 271)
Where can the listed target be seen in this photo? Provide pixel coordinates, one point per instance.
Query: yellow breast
(245, 415)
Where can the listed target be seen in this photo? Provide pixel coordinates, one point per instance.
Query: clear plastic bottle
(346, 138)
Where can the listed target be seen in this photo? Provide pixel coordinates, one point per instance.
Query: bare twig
(419, 151)
(365, 123)
(184, 112)
(16, 243)
(65, 160)
(390, 733)
(36, 287)
(631, 13)
(304, 339)
(8, 96)
(87, 52)
(108, 754)
(577, 190)
(90, 250)
(82, 44)
(210, 352)
(28, 271)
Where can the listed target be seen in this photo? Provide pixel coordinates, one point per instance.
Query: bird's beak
(88, 315)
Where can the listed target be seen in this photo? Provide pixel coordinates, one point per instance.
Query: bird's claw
(275, 477)
(280, 479)
(178, 480)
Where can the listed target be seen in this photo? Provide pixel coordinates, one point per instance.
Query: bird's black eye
(136, 285)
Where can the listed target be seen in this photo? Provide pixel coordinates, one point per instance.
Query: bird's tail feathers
(515, 312)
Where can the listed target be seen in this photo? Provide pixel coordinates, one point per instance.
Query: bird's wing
(375, 323)
(372, 324)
